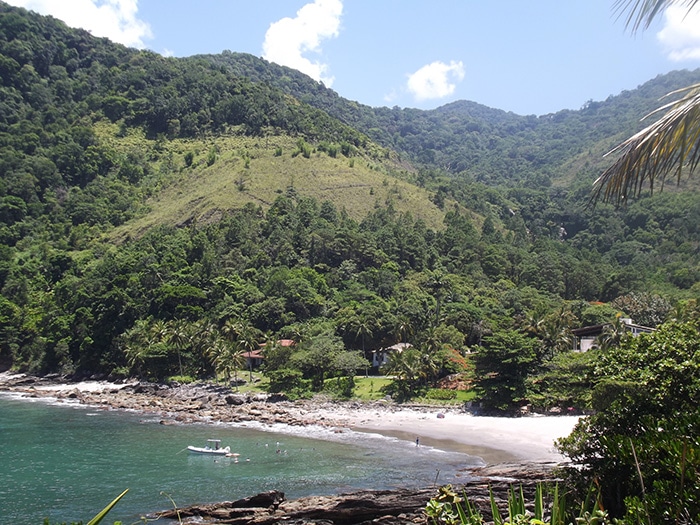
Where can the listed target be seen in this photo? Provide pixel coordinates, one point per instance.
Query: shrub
(180, 379)
(189, 158)
(290, 382)
(643, 443)
(441, 394)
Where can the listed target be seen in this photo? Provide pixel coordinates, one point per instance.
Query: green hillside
(225, 172)
(159, 215)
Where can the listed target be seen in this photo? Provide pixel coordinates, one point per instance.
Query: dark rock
(277, 398)
(271, 498)
(74, 394)
(146, 388)
(235, 399)
(376, 507)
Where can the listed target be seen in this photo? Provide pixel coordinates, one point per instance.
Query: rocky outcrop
(403, 506)
(388, 507)
(189, 403)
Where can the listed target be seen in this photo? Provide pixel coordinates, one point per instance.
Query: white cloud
(288, 39)
(113, 19)
(680, 34)
(391, 96)
(436, 80)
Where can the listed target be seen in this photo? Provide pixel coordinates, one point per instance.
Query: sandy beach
(494, 439)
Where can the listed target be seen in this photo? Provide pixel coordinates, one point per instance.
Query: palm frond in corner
(668, 146)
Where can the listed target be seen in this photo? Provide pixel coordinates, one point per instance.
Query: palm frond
(641, 13)
(669, 145)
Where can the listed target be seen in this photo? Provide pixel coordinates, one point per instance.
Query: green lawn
(369, 388)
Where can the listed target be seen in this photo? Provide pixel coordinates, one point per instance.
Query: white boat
(213, 447)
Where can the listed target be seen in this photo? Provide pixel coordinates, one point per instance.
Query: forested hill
(466, 139)
(225, 199)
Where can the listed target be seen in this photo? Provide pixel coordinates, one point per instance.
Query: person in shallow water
(417, 441)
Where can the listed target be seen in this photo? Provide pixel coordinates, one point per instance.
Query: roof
(597, 329)
(282, 342)
(398, 346)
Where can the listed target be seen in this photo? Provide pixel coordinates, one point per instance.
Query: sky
(529, 57)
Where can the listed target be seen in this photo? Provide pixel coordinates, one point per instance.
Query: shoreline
(496, 440)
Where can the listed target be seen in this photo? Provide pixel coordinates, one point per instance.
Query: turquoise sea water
(65, 462)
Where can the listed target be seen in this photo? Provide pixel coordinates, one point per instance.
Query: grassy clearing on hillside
(199, 180)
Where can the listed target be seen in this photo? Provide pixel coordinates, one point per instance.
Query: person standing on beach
(417, 441)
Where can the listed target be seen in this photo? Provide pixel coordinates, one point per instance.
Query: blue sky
(533, 57)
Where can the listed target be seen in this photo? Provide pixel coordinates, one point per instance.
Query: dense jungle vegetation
(160, 217)
(93, 135)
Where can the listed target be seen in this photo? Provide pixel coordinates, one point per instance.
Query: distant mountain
(468, 139)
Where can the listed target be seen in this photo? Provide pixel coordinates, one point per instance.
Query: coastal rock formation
(388, 507)
(189, 403)
(396, 506)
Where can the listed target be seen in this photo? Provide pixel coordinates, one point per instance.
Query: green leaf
(97, 519)
(497, 519)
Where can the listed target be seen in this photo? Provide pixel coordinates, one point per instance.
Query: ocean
(64, 462)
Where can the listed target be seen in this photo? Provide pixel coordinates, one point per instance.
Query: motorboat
(213, 447)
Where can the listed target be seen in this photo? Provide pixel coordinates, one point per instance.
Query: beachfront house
(255, 358)
(586, 337)
(381, 357)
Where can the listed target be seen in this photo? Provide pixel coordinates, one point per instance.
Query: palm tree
(245, 339)
(666, 146)
(178, 335)
(438, 284)
(135, 344)
(553, 331)
(249, 340)
(202, 336)
(407, 369)
(613, 334)
(363, 329)
(403, 329)
(226, 357)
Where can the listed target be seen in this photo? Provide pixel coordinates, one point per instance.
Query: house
(381, 357)
(587, 337)
(255, 358)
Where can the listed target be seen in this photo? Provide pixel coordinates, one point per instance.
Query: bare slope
(227, 172)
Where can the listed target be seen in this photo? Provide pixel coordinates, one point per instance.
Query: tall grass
(549, 507)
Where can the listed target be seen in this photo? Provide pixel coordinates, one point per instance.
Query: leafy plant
(100, 515)
(450, 509)
(441, 394)
(642, 443)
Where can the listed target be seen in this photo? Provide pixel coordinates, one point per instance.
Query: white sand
(495, 439)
